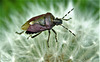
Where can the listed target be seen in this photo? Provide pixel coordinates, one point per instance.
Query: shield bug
(43, 22)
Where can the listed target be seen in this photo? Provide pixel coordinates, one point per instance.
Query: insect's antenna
(67, 19)
(67, 13)
(68, 30)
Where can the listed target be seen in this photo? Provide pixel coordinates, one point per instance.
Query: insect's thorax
(46, 20)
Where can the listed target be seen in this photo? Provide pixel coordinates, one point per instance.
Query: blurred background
(21, 6)
(84, 23)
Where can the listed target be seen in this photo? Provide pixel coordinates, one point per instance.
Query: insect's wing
(37, 17)
(31, 21)
(25, 26)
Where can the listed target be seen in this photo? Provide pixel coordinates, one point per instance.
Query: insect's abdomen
(45, 23)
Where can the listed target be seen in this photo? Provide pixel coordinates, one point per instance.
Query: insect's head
(57, 21)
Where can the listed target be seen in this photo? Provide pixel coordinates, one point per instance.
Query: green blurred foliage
(88, 5)
(9, 6)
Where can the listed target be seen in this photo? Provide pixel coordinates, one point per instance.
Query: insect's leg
(67, 13)
(55, 35)
(68, 30)
(29, 36)
(48, 38)
(35, 35)
(20, 32)
(67, 19)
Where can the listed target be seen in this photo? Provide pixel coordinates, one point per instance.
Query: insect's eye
(31, 23)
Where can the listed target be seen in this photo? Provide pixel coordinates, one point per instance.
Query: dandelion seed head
(32, 45)
(13, 59)
(55, 54)
(41, 59)
(84, 45)
(71, 57)
(64, 42)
